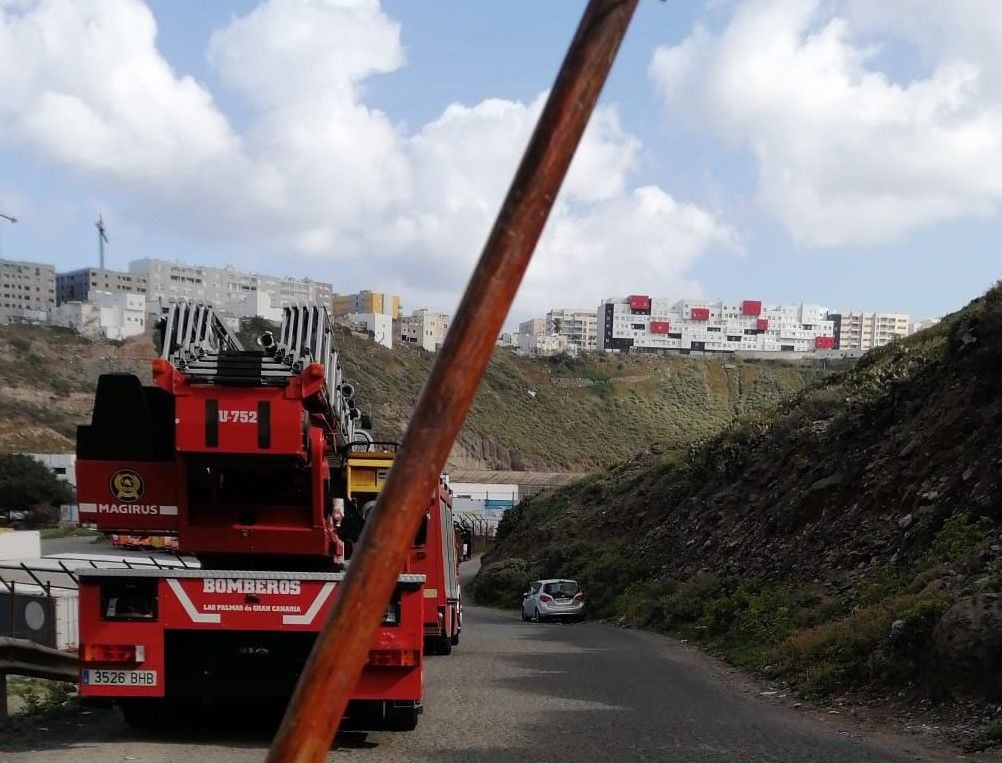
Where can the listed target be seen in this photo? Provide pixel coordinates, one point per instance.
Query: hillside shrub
(960, 535)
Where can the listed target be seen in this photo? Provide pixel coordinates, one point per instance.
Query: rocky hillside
(550, 415)
(850, 541)
(47, 380)
(561, 414)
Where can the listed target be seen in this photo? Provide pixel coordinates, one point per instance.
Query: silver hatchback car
(554, 599)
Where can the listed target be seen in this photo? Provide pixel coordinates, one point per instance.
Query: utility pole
(8, 218)
(102, 239)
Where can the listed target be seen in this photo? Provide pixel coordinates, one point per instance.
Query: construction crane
(8, 218)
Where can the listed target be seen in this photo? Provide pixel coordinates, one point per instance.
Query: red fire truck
(245, 457)
(435, 553)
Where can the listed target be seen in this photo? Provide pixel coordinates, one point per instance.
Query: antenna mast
(102, 239)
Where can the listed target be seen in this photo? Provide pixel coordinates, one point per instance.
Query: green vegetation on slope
(850, 541)
(574, 414)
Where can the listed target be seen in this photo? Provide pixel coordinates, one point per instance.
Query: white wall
(63, 465)
(380, 324)
(20, 544)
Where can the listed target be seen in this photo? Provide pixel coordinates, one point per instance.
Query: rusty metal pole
(339, 653)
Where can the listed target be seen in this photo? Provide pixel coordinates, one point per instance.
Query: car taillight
(394, 657)
(579, 596)
(112, 653)
(545, 597)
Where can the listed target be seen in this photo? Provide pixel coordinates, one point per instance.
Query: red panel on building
(639, 302)
(762, 324)
(660, 327)
(700, 313)
(751, 307)
(824, 342)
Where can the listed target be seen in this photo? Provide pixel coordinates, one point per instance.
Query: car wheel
(536, 617)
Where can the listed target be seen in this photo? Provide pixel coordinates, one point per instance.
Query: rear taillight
(402, 658)
(545, 597)
(112, 653)
(579, 596)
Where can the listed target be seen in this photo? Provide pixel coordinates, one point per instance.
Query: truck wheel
(402, 718)
(455, 639)
(443, 645)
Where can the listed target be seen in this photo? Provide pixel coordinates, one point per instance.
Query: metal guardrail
(26, 658)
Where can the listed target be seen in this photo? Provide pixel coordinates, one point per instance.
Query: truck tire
(455, 639)
(402, 717)
(443, 645)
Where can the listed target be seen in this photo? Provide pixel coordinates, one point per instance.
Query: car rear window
(561, 589)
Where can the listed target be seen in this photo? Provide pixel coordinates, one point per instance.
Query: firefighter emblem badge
(127, 486)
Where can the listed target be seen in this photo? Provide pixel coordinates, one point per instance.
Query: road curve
(516, 691)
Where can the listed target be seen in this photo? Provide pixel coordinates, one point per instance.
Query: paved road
(515, 691)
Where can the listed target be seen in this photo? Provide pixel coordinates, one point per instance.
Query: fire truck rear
(436, 550)
(243, 457)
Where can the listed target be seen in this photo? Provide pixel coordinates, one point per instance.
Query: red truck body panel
(438, 560)
(211, 601)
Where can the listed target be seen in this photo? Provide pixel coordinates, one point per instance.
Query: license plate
(91, 677)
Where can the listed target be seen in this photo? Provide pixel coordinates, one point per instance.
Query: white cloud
(313, 170)
(846, 154)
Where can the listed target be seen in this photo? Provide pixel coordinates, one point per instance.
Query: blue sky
(786, 150)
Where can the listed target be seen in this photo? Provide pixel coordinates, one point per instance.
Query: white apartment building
(580, 326)
(545, 344)
(534, 326)
(379, 325)
(685, 326)
(866, 330)
(424, 328)
(27, 290)
(251, 304)
(223, 286)
(105, 315)
(75, 285)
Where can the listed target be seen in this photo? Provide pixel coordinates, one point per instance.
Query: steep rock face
(881, 483)
(859, 470)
